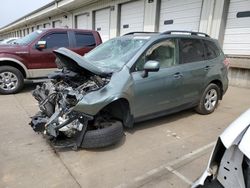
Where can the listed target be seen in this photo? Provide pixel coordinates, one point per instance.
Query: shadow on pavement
(28, 87)
(104, 149)
(138, 126)
(161, 120)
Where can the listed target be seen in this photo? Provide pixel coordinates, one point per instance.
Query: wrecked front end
(57, 98)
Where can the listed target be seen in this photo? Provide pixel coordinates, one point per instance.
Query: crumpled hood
(76, 63)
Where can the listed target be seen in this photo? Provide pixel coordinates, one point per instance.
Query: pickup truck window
(85, 39)
(56, 40)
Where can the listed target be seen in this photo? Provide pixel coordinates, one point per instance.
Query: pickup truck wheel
(11, 80)
(103, 137)
(209, 100)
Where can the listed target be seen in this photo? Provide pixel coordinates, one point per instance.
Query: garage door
(237, 33)
(57, 24)
(102, 23)
(82, 21)
(180, 15)
(132, 15)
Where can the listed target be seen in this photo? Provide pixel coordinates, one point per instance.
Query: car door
(194, 69)
(160, 90)
(45, 58)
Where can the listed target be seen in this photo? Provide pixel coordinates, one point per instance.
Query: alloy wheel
(8, 81)
(211, 99)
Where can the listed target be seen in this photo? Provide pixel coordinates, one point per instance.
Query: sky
(11, 10)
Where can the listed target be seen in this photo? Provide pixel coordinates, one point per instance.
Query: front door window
(164, 52)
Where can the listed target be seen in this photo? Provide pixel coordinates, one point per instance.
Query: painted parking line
(179, 175)
(170, 167)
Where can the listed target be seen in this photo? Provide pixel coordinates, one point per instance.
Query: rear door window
(211, 50)
(85, 40)
(191, 50)
(56, 40)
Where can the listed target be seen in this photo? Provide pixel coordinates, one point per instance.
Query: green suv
(128, 79)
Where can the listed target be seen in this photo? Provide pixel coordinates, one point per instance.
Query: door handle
(178, 75)
(207, 68)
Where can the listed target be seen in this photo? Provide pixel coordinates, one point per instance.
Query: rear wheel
(11, 80)
(209, 100)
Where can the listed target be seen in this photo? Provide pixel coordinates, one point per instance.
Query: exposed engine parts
(57, 98)
(73, 107)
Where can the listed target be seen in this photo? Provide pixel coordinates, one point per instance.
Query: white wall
(212, 17)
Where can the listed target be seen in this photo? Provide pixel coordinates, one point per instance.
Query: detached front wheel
(209, 100)
(11, 80)
(103, 137)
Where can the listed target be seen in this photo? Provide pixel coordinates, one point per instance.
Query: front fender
(92, 103)
(15, 59)
(119, 87)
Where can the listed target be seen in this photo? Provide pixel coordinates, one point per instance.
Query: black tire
(103, 137)
(16, 74)
(207, 107)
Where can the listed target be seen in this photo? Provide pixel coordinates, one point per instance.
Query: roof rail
(140, 32)
(182, 31)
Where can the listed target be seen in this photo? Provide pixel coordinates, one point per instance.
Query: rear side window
(56, 40)
(211, 50)
(85, 39)
(191, 50)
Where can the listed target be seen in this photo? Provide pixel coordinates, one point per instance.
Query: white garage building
(226, 20)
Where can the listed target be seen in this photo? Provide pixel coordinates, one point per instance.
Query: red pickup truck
(32, 58)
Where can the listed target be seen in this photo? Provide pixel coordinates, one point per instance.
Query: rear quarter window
(85, 40)
(191, 50)
(211, 50)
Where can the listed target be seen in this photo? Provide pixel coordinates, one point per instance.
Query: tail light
(226, 62)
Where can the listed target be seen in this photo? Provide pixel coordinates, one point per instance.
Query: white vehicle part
(230, 173)
(236, 135)
(244, 144)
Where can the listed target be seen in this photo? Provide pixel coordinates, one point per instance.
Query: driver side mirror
(40, 45)
(150, 66)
